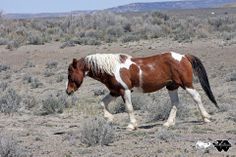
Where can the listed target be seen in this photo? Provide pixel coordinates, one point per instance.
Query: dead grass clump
(9, 101)
(96, 131)
(10, 148)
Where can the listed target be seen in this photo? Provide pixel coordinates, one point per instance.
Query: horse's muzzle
(69, 92)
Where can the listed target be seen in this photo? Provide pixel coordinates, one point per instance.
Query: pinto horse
(123, 74)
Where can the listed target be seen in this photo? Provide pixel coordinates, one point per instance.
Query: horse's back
(162, 70)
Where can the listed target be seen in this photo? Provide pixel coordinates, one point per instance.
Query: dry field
(39, 133)
(38, 119)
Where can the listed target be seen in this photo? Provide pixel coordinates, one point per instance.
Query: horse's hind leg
(197, 98)
(104, 103)
(174, 102)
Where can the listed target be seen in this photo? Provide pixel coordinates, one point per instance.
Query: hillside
(193, 4)
(136, 7)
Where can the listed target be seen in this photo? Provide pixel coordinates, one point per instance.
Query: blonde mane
(104, 62)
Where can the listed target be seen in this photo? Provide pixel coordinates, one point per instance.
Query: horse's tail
(200, 71)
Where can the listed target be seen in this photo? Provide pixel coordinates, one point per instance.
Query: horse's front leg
(104, 103)
(129, 107)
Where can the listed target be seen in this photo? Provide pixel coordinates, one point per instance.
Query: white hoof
(206, 115)
(132, 127)
(207, 120)
(168, 124)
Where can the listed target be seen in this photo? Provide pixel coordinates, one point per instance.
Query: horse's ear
(74, 63)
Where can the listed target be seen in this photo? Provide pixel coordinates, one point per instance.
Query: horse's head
(76, 73)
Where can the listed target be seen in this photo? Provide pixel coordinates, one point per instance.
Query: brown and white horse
(123, 74)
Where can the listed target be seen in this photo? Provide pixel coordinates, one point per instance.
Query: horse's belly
(148, 88)
(152, 88)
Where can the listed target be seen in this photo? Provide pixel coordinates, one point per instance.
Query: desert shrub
(9, 101)
(90, 41)
(159, 110)
(3, 86)
(3, 41)
(7, 76)
(115, 31)
(29, 102)
(99, 27)
(34, 82)
(141, 101)
(96, 131)
(59, 78)
(12, 44)
(183, 112)
(57, 103)
(127, 27)
(129, 38)
(4, 67)
(99, 91)
(231, 77)
(10, 148)
(232, 116)
(70, 43)
(221, 23)
(52, 105)
(35, 39)
(183, 31)
(51, 64)
(48, 73)
(29, 64)
(160, 15)
(165, 135)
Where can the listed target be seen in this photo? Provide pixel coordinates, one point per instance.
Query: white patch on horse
(139, 89)
(140, 77)
(151, 66)
(66, 84)
(125, 65)
(177, 56)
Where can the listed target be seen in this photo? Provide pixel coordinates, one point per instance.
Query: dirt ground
(56, 135)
